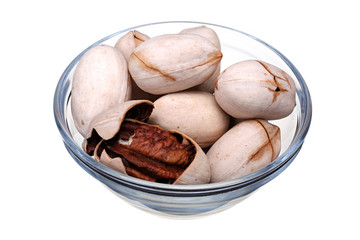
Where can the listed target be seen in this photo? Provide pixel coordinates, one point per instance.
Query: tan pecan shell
(107, 124)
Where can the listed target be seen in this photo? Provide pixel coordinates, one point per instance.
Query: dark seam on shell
(277, 90)
(154, 69)
(269, 139)
(217, 55)
(136, 37)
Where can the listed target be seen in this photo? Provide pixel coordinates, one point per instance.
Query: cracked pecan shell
(106, 124)
(151, 153)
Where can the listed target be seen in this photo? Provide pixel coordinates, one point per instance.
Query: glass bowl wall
(191, 199)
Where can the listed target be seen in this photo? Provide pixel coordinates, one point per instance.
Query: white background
(46, 195)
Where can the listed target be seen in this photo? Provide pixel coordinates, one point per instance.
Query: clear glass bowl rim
(295, 146)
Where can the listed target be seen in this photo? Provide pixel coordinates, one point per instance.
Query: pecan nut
(255, 143)
(121, 140)
(149, 152)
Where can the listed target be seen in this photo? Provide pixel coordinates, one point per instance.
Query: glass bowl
(185, 200)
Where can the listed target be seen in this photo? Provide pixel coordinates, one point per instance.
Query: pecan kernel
(151, 152)
(154, 142)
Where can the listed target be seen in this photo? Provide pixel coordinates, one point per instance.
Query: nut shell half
(198, 172)
(108, 122)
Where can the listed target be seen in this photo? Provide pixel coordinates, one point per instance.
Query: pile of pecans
(160, 108)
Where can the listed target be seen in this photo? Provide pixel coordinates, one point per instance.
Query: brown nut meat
(150, 150)
(151, 153)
